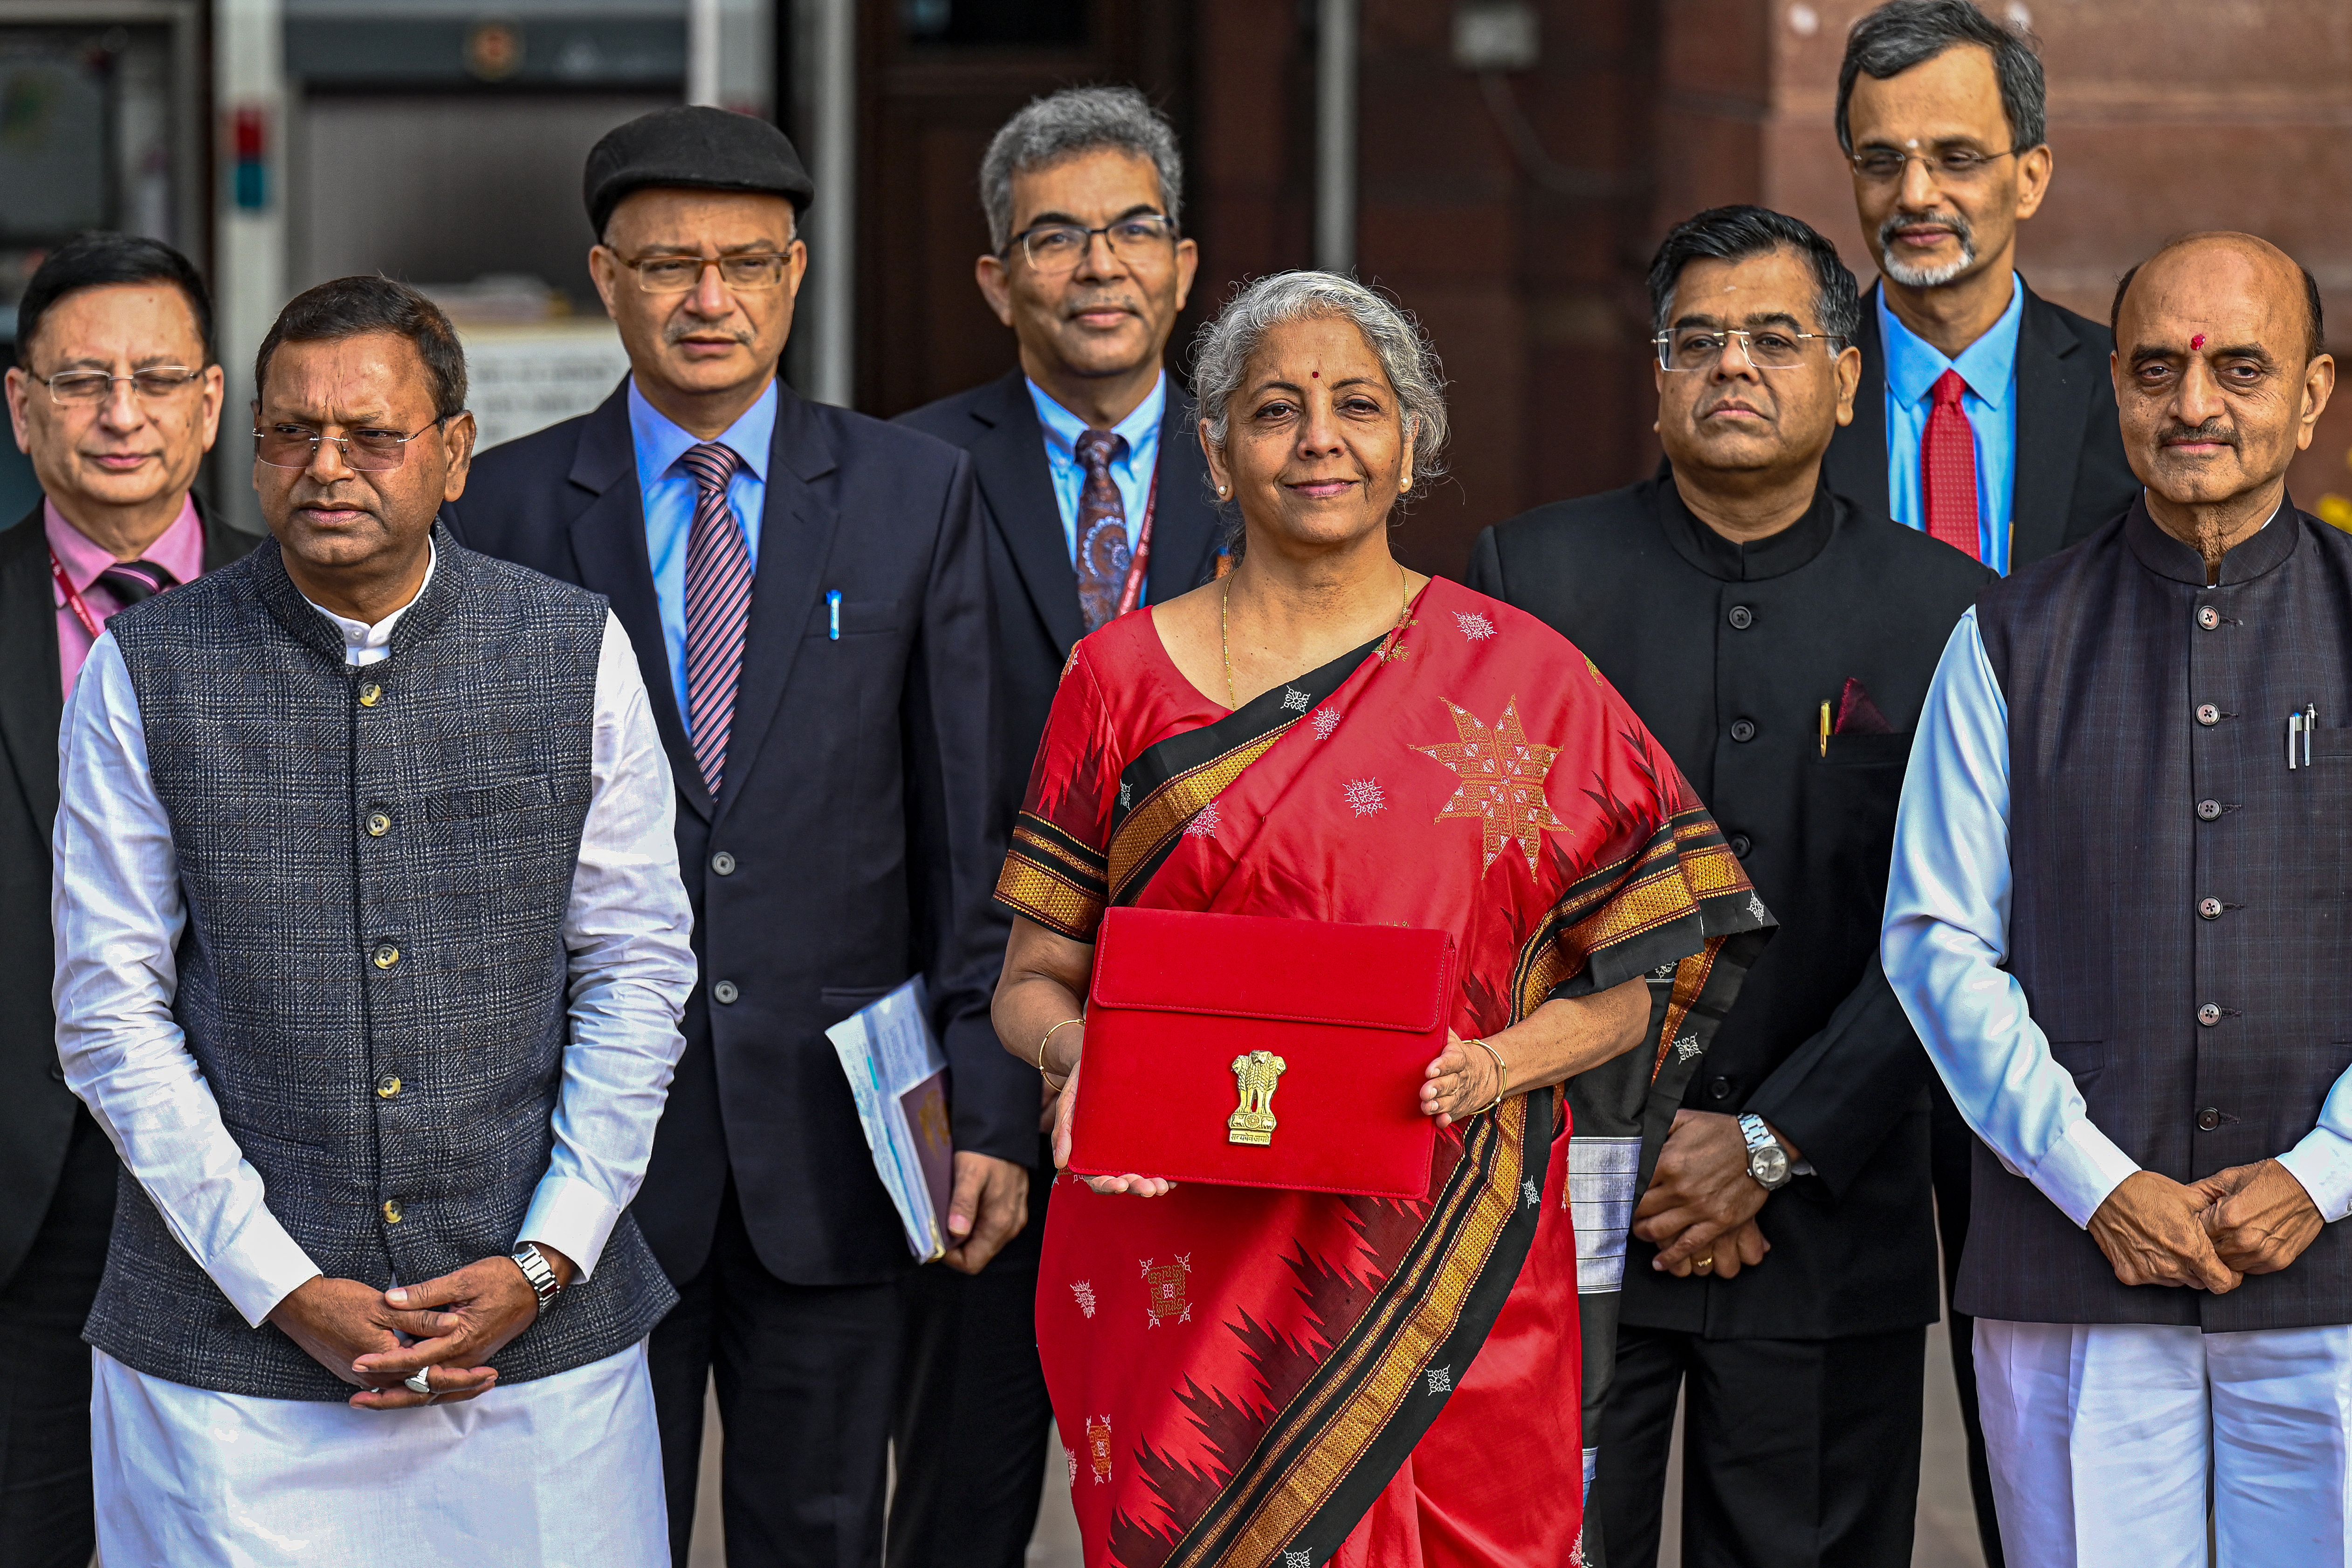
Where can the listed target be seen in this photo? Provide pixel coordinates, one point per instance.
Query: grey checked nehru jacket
(322, 961)
(2147, 776)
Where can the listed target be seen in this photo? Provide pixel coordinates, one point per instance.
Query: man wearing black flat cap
(807, 591)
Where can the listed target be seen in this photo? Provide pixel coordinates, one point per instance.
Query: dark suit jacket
(1029, 573)
(856, 822)
(1727, 653)
(36, 1111)
(2071, 472)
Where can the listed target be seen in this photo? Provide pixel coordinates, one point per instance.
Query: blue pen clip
(832, 609)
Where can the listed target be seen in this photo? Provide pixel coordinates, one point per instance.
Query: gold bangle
(1049, 1040)
(1502, 1077)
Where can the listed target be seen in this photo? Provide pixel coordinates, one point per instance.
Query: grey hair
(1221, 354)
(1077, 119)
(1905, 33)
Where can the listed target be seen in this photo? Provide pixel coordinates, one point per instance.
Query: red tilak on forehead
(2197, 342)
(1316, 374)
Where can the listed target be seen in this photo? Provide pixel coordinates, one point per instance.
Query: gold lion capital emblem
(1255, 1076)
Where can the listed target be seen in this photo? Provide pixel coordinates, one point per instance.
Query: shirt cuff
(572, 1218)
(261, 1266)
(2323, 1164)
(2081, 1169)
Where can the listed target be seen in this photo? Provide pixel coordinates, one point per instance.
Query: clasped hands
(452, 1325)
(1701, 1204)
(2207, 1235)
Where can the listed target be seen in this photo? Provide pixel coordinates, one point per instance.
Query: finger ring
(422, 1382)
(1703, 1265)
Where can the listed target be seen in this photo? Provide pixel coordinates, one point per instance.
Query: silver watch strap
(538, 1271)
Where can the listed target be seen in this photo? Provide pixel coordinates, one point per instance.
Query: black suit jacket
(857, 820)
(1029, 573)
(36, 1111)
(2071, 473)
(1727, 653)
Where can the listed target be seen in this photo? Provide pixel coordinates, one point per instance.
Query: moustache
(1952, 224)
(2212, 431)
(679, 331)
(1080, 304)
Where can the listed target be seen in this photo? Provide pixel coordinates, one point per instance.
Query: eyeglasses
(681, 274)
(1699, 348)
(156, 384)
(1057, 247)
(1958, 165)
(364, 451)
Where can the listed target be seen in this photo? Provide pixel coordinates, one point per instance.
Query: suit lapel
(1185, 529)
(31, 706)
(1856, 464)
(608, 545)
(2054, 388)
(1008, 461)
(796, 530)
(223, 544)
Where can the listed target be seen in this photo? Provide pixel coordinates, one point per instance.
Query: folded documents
(899, 1075)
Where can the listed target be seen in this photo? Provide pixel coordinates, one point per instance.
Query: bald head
(2220, 376)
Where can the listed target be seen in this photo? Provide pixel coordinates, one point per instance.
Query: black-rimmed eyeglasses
(1057, 247)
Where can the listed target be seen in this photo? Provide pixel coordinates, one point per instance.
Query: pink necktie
(718, 602)
(1947, 469)
(1103, 554)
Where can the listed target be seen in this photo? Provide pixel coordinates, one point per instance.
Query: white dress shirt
(1947, 940)
(119, 915)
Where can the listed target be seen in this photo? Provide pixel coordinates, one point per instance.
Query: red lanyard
(1130, 592)
(74, 601)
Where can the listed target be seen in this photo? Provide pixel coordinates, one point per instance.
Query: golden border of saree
(1053, 878)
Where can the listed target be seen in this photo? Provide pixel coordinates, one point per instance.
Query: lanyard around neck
(74, 601)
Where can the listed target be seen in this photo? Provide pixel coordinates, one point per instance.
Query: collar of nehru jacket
(1772, 556)
(2265, 550)
(1989, 365)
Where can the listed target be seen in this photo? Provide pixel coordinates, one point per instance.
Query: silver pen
(2294, 732)
(2310, 723)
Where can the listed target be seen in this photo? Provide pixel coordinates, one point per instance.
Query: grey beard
(1925, 277)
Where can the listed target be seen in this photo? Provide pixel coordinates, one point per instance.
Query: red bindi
(2197, 342)
(1319, 374)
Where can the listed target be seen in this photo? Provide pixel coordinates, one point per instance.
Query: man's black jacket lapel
(2055, 385)
(1008, 461)
(1855, 465)
(1186, 531)
(30, 705)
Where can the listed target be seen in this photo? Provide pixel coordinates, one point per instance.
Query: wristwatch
(539, 1272)
(1767, 1161)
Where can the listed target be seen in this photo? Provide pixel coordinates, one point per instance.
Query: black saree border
(1324, 1459)
(1166, 786)
(1053, 879)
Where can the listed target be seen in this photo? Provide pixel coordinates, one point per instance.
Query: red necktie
(1947, 469)
(1103, 554)
(718, 602)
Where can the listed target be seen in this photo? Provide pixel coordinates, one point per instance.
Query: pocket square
(1857, 714)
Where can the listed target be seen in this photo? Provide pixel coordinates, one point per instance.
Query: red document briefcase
(1262, 1053)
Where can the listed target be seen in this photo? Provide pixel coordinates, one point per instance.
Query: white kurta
(2102, 1437)
(559, 1470)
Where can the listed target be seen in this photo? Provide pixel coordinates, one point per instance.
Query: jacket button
(1742, 618)
(1743, 729)
(391, 1211)
(1741, 844)
(2209, 810)
(370, 694)
(2209, 715)
(388, 1086)
(724, 992)
(723, 863)
(1718, 1088)
(2208, 1015)
(2210, 908)
(378, 824)
(385, 955)
(2208, 1120)
(2207, 617)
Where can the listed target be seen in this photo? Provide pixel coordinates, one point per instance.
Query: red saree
(1246, 1376)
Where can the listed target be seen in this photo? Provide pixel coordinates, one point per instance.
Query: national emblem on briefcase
(1255, 1077)
(1163, 1290)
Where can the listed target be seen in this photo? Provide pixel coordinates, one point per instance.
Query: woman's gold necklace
(1225, 640)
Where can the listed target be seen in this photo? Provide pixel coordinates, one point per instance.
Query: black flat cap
(695, 146)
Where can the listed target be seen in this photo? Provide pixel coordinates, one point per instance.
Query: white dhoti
(2106, 1441)
(559, 1472)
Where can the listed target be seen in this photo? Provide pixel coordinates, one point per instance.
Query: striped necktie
(718, 603)
(1948, 468)
(1104, 552)
(134, 583)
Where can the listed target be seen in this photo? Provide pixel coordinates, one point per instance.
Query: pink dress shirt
(180, 552)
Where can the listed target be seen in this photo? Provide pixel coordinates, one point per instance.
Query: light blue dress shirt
(1990, 367)
(668, 492)
(1131, 465)
(1946, 941)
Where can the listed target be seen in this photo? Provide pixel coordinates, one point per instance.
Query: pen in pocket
(832, 609)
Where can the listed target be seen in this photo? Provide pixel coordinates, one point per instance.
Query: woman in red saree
(1250, 1376)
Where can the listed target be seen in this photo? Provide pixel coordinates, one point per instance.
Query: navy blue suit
(855, 840)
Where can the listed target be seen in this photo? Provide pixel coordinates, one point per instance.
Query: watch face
(1768, 1165)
